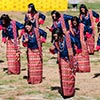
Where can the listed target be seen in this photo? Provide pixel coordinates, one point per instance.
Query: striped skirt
(13, 61)
(83, 63)
(34, 66)
(83, 60)
(91, 44)
(67, 78)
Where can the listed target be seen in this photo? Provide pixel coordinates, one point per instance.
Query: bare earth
(15, 87)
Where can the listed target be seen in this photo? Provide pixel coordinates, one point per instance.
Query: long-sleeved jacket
(62, 49)
(58, 23)
(32, 40)
(87, 20)
(41, 18)
(8, 31)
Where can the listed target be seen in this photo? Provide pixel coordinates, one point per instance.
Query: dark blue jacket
(8, 32)
(32, 41)
(63, 48)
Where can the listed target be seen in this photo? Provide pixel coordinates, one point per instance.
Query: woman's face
(29, 9)
(3, 22)
(74, 23)
(54, 17)
(55, 37)
(28, 28)
(83, 10)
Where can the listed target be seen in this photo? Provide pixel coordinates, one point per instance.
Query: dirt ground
(15, 87)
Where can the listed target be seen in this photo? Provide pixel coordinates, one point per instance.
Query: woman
(57, 20)
(77, 30)
(34, 15)
(87, 18)
(10, 37)
(64, 45)
(33, 39)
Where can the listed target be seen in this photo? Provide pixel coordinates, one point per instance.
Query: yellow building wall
(42, 5)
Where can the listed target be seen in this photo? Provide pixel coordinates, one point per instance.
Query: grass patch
(33, 92)
(51, 96)
(81, 98)
(48, 13)
(89, 5)
(97, 54)
(5, 82)
(45, 59)
(9, 99)
(48, 23)
(48, 44)
(97, 61)
(93, 5)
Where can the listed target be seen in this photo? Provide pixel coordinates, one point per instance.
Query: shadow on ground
(96, 75)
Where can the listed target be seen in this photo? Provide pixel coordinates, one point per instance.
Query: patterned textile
(67, 77)
(83, 57)
(90, 43)
(13, 60)
(34, 66)
(83, 63)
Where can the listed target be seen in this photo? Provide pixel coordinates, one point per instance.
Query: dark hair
(56, 13)
(57, 31)
(6, 18)
(83, 6)
(75, 18)
(98, 24)
(28, 23)
(53, 12)
(33, 10)
(98, 27)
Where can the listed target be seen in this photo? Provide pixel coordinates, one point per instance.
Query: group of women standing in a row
(72, 37)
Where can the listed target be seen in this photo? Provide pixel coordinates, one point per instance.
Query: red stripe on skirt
(83, 63)
(83, 60)
(12, 60)
(90, 43)
(67, 78)
(34, 67)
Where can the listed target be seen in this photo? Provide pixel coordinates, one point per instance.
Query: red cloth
(83, 63)
(97, 47)
(12, 60)
(34, 66)
(78, 51)
(22, 31)
(67, 78)
(51, 29)
(88, 35)
(52, 51)
(24, 44)
(83, 60)
(1, 27)
(43, 40)
(97, 20)
(41, 21)
(4, 39)
(90, 44)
